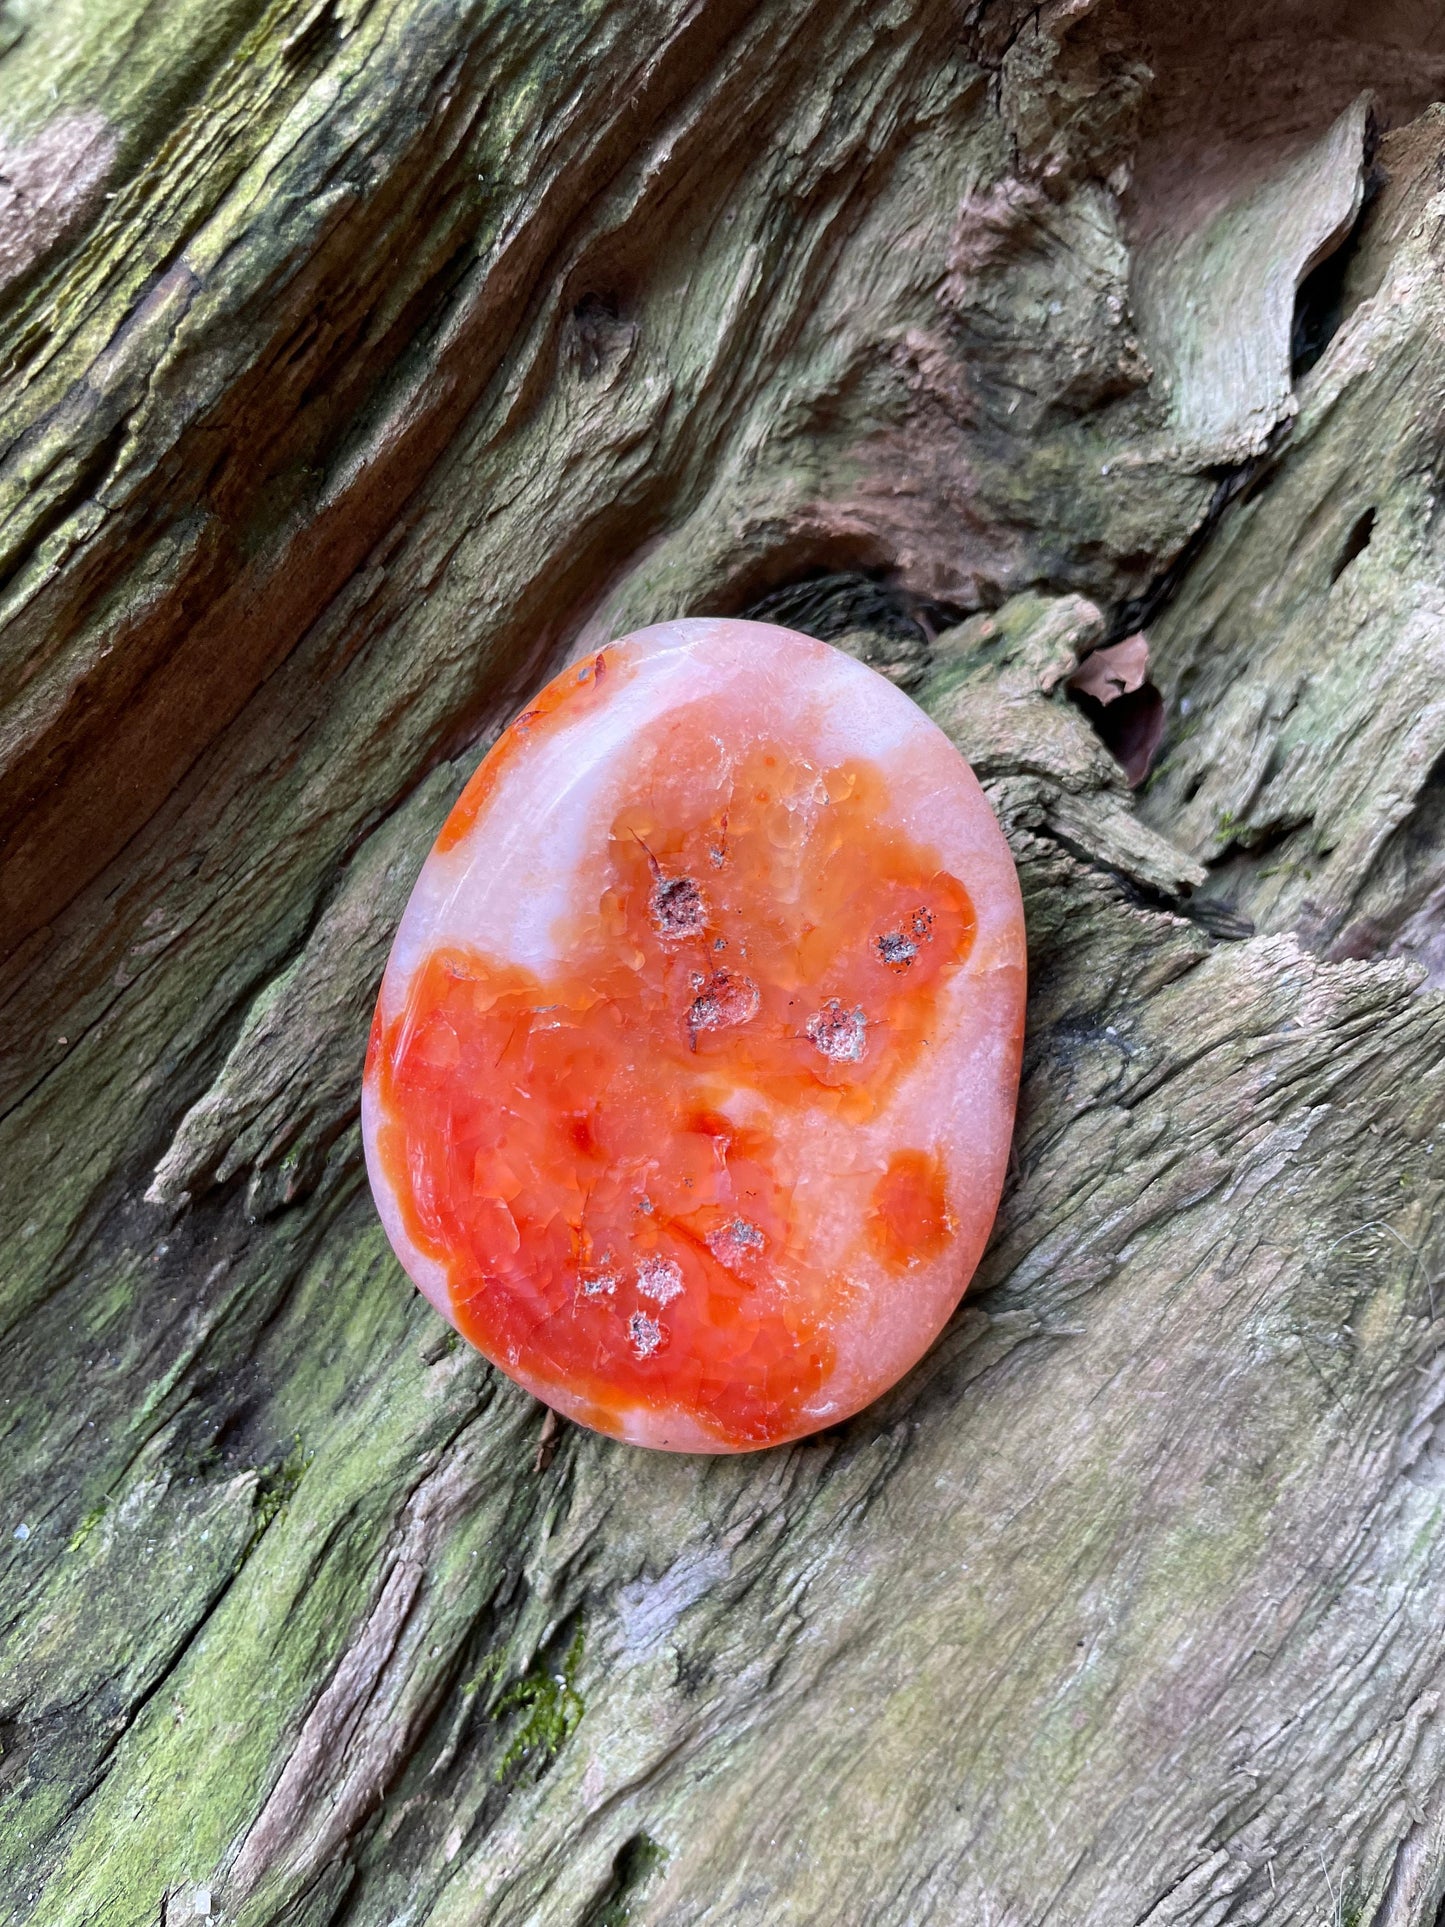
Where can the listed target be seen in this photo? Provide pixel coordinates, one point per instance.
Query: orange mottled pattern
(595, 1157)
(911, 1220)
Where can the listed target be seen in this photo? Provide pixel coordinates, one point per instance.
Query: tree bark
(365, 359)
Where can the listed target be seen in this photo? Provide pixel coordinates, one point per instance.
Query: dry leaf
(1116, 670)
(547, 1441)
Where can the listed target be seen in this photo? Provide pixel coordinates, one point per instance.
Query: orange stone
(692, 1079)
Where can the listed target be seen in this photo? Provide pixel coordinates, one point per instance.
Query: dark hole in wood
(1131, 728)
(1319, 302)
(596, 310)
(633, 1866)
(1319, 306)
(600, 328)
(1356, 542)
(829, 603)
(13, 1749)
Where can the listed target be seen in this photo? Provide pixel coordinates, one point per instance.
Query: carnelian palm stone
(692, 1078)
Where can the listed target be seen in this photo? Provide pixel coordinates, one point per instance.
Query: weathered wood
(1308, 768)
(1216, 296)
(362, 359)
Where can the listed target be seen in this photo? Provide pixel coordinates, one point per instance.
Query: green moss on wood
(552, 1710)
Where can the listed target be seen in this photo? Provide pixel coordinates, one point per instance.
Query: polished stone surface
(691, 1084)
